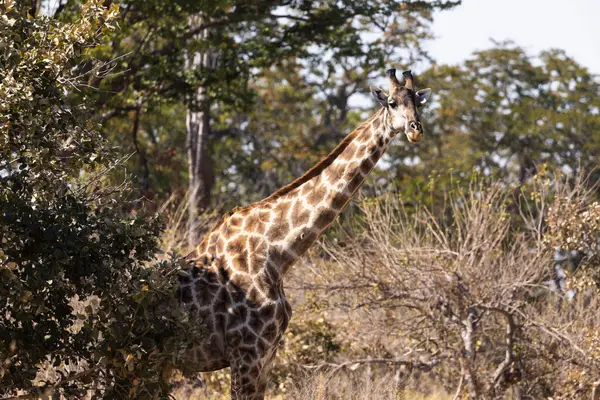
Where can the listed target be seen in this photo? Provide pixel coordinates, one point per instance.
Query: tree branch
(352, 365)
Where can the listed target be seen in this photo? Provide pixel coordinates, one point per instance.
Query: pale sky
(572, 25)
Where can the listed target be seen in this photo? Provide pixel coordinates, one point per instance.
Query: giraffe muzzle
(415, 132)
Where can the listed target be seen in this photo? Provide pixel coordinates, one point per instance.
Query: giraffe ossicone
(236, 285)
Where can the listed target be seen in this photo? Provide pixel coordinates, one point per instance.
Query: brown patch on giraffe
(362, 137)
(255, 321)
(376, 124)
(258, 250)
(351, 170)
(208, 278)
(366, 166)
(272, 274)
(339, 201)
(220, 246)
(278, 230)
(355, 183)
(236, 292)
(269, 332)
(279, 258)
(264, 216)
(316, 195)
(219, 322)
(240, 262)
(201, 249)
(224, 275)
(220, 301)
(234, 322)
(244, 369)
(261, 346)
(280, 214)
(305, 241)
(326, 216)
(246, 381)
(257, 261)
(255, 296)
(267, 311)
(279, 313)
(375, 152)
(248, 337)
(300, 215)
(205, 294)
(257, 245)
(251, 222)
(241, 312)
(350, 151)
(362, 149)
(335, 172)
(203, 312)
(235, 222)
(264, 281)
(237, 245)
(184, 279)
(184, 294)
(254, 371)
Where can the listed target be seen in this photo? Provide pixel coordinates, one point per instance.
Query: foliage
(327, 50)
(506, 114)
(69, 237)
(464, 295)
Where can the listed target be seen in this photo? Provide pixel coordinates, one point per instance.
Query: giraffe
(236, 284)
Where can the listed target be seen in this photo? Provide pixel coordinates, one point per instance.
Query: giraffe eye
(392, 103)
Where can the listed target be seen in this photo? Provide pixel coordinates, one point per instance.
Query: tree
(247, 41)
(506, 114)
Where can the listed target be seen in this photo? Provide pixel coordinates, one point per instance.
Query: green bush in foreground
(67, 238)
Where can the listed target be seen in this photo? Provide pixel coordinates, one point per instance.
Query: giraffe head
(402, 104)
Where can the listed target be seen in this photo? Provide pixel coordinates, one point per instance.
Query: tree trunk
(198, 127)
(35, 7)
(468, 357)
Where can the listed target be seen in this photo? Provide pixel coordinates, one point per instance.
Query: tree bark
(201, 178)
(34, 7)
(468, 357)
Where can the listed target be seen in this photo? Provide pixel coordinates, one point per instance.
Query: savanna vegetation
(468, 267)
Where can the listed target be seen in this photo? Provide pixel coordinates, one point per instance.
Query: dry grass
(360, 385)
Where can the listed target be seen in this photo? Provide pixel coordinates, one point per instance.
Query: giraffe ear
(422, 96)
(379, 96)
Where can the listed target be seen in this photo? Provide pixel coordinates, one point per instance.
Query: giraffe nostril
(416, 126)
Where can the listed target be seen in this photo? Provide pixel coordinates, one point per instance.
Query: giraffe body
(237, 284)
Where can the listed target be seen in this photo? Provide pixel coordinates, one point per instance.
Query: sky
(535, 25)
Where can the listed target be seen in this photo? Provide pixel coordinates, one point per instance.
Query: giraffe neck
(263, 240)
(301, 213)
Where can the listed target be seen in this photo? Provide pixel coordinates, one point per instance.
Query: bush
(463, 297)
(81, 308)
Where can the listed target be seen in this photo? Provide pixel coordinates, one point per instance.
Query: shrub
(464, 295)
(79, 298)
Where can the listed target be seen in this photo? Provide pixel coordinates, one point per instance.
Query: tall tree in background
(505, 113)
(336, 46)
(201, 174)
